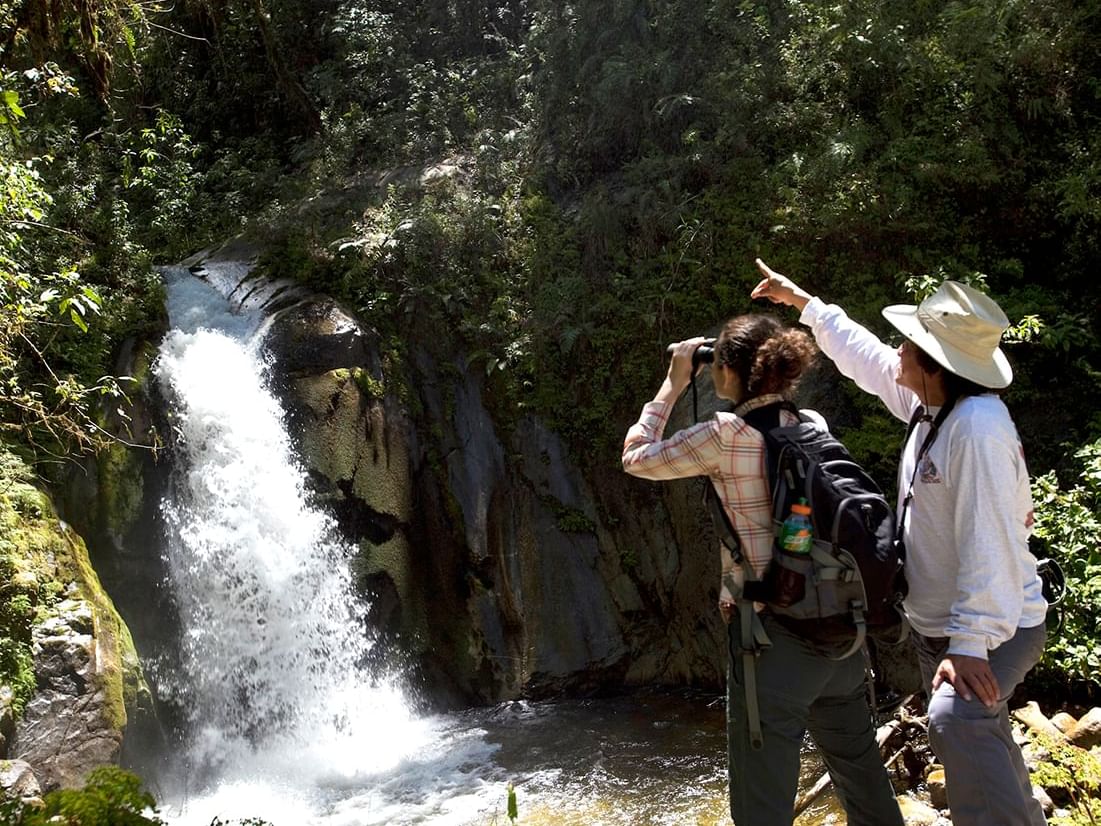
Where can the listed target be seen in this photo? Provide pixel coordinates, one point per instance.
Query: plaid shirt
(732, 454)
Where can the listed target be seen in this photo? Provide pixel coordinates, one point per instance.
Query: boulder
(316, 336)
(916, 812)
(938, 792)
(230, 269)
(69, 726)
(1063, 721)
(17, 780)
(1034, 719)
(897, 666)
(1086, 733)
(86, 674)
(1034, 754)
(1044, 799)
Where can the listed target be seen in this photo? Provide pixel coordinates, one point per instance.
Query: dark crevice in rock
(253, 278)
(383, 612)
(359, 521)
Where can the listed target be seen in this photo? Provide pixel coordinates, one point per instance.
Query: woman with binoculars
(755, 362)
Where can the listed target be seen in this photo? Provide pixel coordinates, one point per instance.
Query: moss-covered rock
(75, 673)
(116, 499)
(121, 488)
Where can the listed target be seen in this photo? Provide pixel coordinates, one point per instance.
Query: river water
(278, 718)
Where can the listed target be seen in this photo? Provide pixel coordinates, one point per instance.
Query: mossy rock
(392, 558)
(119, 468)
(121, 489)
(49, 563)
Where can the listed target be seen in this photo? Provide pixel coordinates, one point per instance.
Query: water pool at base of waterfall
(649, 759)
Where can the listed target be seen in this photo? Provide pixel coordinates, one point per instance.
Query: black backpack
(850, 585)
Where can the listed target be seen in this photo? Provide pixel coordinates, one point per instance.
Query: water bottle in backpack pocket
(792, 564)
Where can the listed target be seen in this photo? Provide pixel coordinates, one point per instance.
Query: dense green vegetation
(566, 187)
(1069, 523)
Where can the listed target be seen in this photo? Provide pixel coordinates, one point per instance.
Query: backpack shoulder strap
(752, 638)
(767, 417)
(761, 419)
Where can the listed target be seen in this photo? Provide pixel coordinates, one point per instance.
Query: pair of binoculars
(703, 354)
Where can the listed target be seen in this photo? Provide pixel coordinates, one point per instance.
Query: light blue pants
(801, 690)
(984, 772)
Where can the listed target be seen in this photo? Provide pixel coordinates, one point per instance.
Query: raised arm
(854, 349)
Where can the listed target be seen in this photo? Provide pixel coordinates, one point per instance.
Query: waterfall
(272, 633)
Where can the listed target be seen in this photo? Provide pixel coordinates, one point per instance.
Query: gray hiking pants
(801, 690)
(985, 775)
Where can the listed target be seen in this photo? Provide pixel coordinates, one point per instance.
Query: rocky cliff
(494, 564)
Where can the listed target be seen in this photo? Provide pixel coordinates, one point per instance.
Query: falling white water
(272, 632)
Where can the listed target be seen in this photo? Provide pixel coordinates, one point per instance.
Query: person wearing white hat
(974, 601)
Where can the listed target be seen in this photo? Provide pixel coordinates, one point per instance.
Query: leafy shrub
(1068, 520)
(1074, 776)
(74, 280)
(110, 797)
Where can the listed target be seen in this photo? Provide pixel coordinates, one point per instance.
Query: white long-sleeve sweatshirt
(970, 573)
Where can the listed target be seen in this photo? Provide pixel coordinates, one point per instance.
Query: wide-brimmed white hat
(960, 328)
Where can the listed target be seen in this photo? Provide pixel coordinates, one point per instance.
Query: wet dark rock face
(495, 566)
